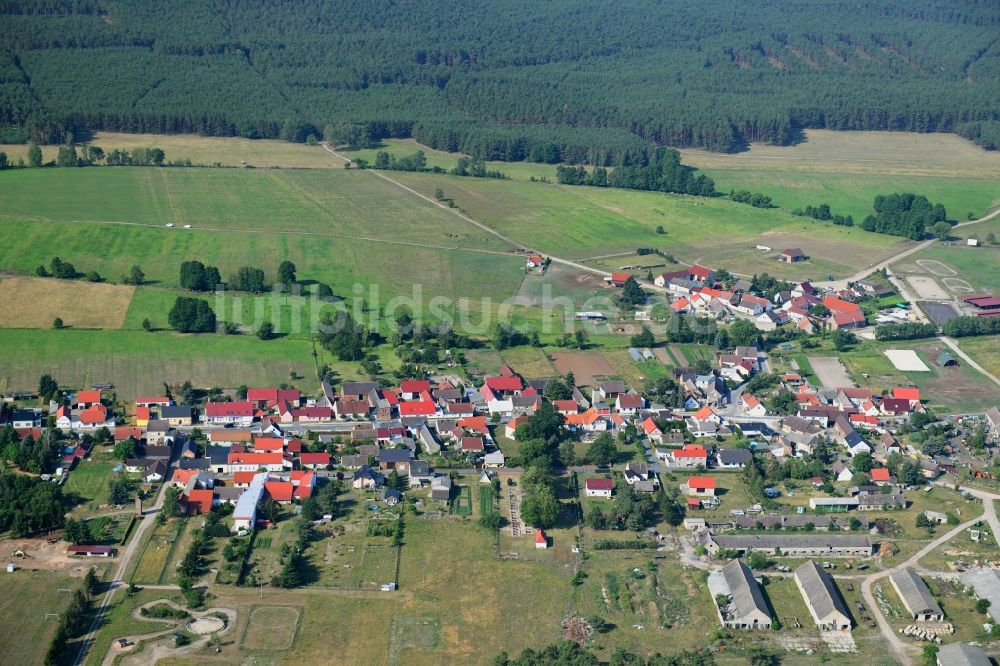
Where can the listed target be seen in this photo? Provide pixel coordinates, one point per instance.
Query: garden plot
(927, 287)
(906, 360)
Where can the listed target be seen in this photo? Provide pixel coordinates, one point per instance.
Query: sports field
(847, 170)
(36, 302)
(581, 223)
(26, 600)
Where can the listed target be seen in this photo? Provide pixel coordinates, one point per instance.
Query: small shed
(946, 360)
(541, 541)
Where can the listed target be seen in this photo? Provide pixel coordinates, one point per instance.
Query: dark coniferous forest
(554, 81)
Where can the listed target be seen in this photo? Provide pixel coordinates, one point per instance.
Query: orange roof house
(199, 501)
(880, 474)
(901, 393)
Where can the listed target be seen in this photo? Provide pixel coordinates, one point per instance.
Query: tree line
(589, 86)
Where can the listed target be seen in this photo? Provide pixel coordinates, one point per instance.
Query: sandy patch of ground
(584, 366)
(926, 287)
(204, 626)
(35, 302)
(906, 360)
(830, 371)
(936, 267)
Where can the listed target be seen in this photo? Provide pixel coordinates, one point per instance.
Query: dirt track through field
(830, 371)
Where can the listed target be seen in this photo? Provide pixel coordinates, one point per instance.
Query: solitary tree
(266, 331)
(34, 155)
(57, 322)
(136, 276)
(286, 273)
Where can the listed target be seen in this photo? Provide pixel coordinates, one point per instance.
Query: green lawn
(978, 266)
(89, 482)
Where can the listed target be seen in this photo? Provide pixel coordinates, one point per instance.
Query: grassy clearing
(36, 302)
(118, 621)
(25, 598)
(584, 222)
(89, 481)
(137, 362)
(847, 170)
(529, 361)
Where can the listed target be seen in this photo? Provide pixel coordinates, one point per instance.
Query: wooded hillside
(560, 80)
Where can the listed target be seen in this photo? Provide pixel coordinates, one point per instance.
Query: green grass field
(339, 227)
(204, 150)
(25, 598)
(951, 390)
(977, 266)
(585, 223)
(89, 481)
(847, 170)
(138, 362)
(440, 158)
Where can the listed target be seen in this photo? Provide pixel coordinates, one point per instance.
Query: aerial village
(740, 468)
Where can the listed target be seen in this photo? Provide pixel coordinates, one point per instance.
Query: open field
(984, 352)
(339, 227)
(25, 598)
(36, 302)
(137, 362)
(585, 366)
(951, 390)
(584, 222)
(205, 150)
(89, 481)
(445, 160)
(829, 371)
(529, 361)
(271, 628)
(847, 170)
(958, 269)
(159, 555)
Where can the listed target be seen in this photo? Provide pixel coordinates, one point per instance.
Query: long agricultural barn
(822, 598)
(917, 599)
(789, 545)
(746, 608)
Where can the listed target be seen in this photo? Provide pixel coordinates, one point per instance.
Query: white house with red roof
(541, 540)
(535, 261)
(411, 389)
(699, 486)
(689, 455)
(602, 487)
(652, 431)
(629, 403)
(229, 413)
(752, 406)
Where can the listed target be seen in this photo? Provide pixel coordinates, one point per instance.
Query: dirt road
(125, 560)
